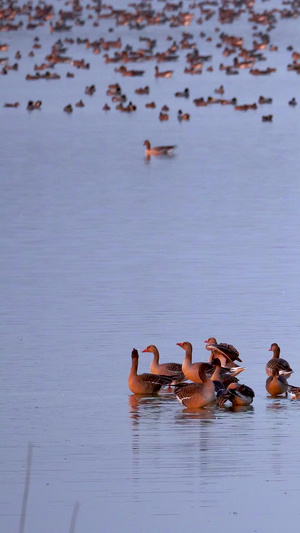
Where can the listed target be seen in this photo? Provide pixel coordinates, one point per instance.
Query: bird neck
(187, 362)
(155, 361)
(276, 352)
(134, 366)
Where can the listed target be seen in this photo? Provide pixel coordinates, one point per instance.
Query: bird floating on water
(158, 150)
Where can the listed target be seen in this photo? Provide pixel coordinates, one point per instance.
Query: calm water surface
(103, 252)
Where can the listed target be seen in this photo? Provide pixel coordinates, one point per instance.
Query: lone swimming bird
(165, 369)
(196, 395)
(145, 383)
(277, 363)
(158, 150)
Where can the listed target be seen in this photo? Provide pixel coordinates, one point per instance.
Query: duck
(165, 369)
(80, 103)
(220, 90)
(238, 394)
(68, 108)
(278, 363)
(183, 94)
(163, 116)
(15, 104)
(34, 105)
(225, 352)
(163, 74)
(90, 90)
(267, 118)
(142, 90)
(293, 392)
(276, 384)
(182, 116)
(196, 395)
(158, 150)
(145, 383)
(265, 100)
(150, 105)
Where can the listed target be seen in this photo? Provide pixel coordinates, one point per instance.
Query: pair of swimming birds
(215, 379)
(279, 371)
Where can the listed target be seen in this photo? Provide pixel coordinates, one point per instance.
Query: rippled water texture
(102, 251)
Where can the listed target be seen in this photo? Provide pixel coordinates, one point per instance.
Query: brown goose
(191, 370)
(164, 74)
(237, 394)
(165, 369)
(145, 383)
(276, 384)
(197, 395)
(158, 150)
(277, 363)
(225, 352)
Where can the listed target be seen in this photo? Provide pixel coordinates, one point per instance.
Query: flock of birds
(199, 384)
(241, 53)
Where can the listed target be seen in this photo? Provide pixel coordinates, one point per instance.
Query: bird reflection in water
(239, 409)
(148, 406)
(278, 403)
(196, 414)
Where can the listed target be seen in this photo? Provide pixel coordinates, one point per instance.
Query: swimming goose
(165, 369)
(145, 383)
(196, 395)
(276, 384)
(237, 394)
(163, 74)
(277, 363)
(190, 370)
(158, 150)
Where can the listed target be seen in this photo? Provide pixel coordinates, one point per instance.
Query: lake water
(102, 251)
